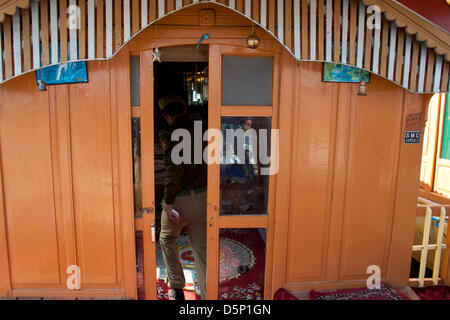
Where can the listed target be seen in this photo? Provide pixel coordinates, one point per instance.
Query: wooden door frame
(214, 221)
(144, 112)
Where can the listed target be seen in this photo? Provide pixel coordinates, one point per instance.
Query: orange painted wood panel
(90, 118)
(310, 175)
(28, 184)
(371, 179)
(405, 198)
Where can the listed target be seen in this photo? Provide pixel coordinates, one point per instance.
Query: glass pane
(137, 192)
(244, 189)
(242, 265)
(445, 153)
(135, 83)
(247, 81)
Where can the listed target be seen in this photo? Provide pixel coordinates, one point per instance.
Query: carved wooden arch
(405, 49)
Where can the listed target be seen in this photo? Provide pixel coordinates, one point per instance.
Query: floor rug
(384, 293)
(242, 264)
(192, 289)
(438, 292)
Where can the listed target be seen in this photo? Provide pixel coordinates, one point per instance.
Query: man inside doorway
(184, 200)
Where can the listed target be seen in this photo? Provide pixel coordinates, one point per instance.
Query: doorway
(230, 89)
(187, 80)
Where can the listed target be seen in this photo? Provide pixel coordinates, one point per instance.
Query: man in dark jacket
(184, 201)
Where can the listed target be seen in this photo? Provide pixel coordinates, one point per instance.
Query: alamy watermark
(374, 280)
(73, 17)
(374, 19)
(73, 281)
(236, 146)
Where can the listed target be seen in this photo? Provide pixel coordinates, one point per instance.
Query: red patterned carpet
(242, 264)
(439, 292)
(242, 261)
(383, 293)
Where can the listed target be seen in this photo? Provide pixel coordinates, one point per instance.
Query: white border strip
(17, 43)
(54, 30)
(422, 67)
(1, 53)
(297, 50)
(126, 20)
(407, 61)
(144, 13)
(376, 50)
(438, 74)
(329, 34)
(91, 29)
(109, 27)
(248, 8)
(263, 18)
(312, 28)
(361, 33)
(392, 50)
(35, 34)
(344, 46)
(73, 49)
(161, 6)
(280, 21)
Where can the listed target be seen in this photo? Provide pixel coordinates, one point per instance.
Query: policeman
(184, 200)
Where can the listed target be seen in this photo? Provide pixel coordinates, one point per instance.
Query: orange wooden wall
(345, 172)
(346, 190)
(61, 192)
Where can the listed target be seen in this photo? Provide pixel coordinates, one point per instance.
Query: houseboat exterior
(343, 197)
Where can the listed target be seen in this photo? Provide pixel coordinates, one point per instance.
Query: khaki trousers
(192, 209)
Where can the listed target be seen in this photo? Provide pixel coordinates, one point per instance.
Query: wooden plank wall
(61, 180)
(316, 30)
(344, 182)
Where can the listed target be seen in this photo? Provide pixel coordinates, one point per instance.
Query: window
(247, 81)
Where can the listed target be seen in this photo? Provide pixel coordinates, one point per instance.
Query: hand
(173, 216)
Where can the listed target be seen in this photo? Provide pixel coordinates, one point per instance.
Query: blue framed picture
(70, 72)
(333, 72)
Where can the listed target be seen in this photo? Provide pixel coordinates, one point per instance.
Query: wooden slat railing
(441, 258)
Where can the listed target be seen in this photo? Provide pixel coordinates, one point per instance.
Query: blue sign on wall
(342, 73)
(70, 72)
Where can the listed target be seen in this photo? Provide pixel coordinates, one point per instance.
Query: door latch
(147, 210)
(152, 228)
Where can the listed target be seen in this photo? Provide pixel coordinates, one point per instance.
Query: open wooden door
(243, 94)
(142, 115)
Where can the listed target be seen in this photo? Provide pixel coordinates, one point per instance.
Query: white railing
(439, 246)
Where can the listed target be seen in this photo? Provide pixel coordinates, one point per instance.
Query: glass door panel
(244, 188)
(247, 81)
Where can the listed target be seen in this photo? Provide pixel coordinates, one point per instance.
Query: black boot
(179, 294)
